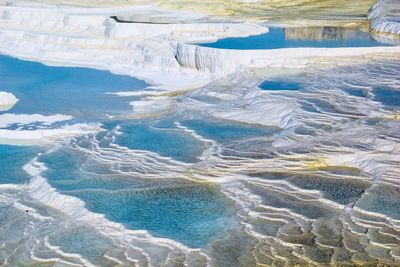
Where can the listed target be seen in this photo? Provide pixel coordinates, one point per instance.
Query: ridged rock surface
(7, 100)
(385, 17)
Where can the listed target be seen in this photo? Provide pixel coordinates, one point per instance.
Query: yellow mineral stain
(174, 93)
(395, 115)
(327, 12)
(321, 164)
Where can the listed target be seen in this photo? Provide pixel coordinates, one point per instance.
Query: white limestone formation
(227, 61)
(385, 17)
(45, 136)
(156, 52)
(10, 118)
(7, 101)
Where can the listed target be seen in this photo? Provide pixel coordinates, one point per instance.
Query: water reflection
(300, 37)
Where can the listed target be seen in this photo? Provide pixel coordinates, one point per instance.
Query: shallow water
(12, 159)
(276, 85)
(388, 96)
(299, 37)
(193, 214)
(224, 132)
(167, 142)
(149, 190)
(79, 92)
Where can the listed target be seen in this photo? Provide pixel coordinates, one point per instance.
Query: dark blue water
(299, 37)
(80, 92)
(277, 85)
(12, 159)
(189, 213)
(356, 92)
(390, 97)
(387, 95)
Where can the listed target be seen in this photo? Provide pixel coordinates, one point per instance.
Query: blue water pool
(356, 92)
(190, 213)
(79, 92)
(222, 131)
(388, 96)
(276, 85)
(12, 159)
(299, 37)
(167, 142)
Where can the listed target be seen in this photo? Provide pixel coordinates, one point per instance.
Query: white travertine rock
(42, 136)
(385, 17)
(159, 53)
(156, 52)
(90, 37)
(7, 101)
(227, 61)
(9, 118)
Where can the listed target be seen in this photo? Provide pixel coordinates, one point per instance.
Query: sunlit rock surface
(285, 11)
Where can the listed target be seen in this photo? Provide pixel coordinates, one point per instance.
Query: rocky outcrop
(385, 17)
(227, 61)
(7, 101)
(91, 37)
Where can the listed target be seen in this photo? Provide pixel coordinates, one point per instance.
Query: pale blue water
(276, 38)
(223, 132)
(168, 142)
(190, 213)
(80, 92)
(82, 240)
(158, 199)
(12, 159)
